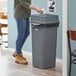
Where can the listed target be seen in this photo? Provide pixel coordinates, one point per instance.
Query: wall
(12, 25)
(72, 24)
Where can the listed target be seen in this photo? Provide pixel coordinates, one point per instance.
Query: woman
(22, 12)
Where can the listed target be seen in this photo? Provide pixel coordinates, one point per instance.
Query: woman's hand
(39, 10)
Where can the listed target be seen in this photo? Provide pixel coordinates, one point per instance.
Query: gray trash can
(44, 40)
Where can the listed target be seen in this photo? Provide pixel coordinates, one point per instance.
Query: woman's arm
(29, 6)
(37, 9)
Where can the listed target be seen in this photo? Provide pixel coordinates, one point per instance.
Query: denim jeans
(23, 32)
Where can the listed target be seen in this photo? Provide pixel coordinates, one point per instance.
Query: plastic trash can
(44, 40)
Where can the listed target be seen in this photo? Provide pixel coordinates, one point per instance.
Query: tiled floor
(9, 68)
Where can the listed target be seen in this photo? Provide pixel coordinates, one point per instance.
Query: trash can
(44, 40)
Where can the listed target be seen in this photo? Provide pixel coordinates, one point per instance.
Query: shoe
(14, 55)
(20, 60)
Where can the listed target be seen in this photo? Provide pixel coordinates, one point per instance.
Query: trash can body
(44, 40)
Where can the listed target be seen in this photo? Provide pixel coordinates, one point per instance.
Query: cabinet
(3, 30)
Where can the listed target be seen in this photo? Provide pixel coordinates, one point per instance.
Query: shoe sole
(21, 63)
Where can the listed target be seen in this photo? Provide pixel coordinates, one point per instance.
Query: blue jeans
(23, 32)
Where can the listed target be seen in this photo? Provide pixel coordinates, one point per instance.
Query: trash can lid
(44, 19)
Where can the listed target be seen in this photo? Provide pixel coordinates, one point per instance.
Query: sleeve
(24, 3)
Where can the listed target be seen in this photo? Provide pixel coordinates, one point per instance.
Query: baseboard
(59, 61)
